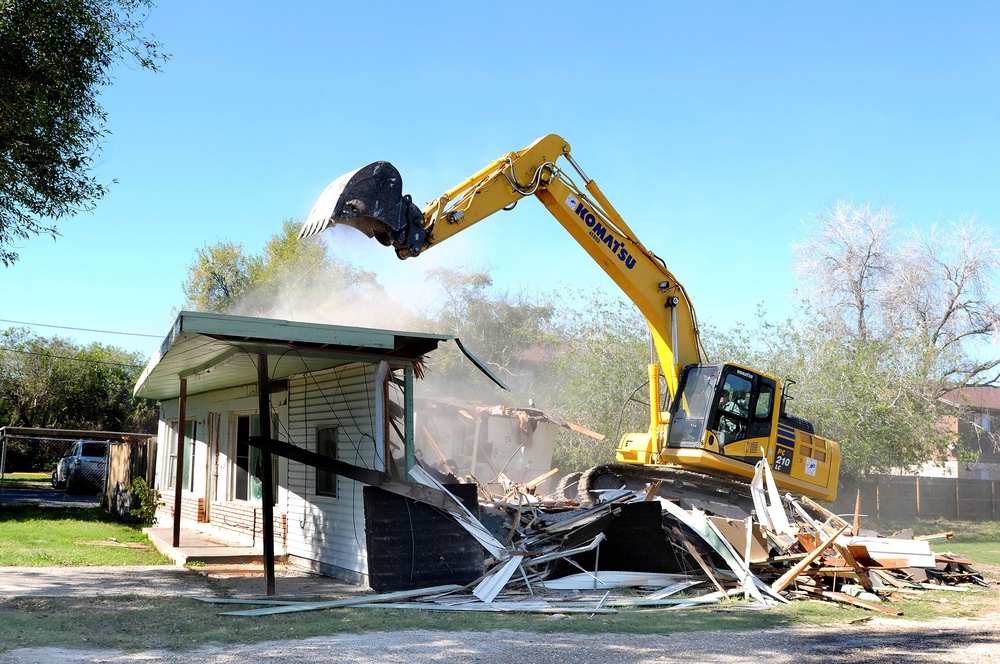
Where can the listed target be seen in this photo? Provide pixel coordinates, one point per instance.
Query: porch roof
(215, 351)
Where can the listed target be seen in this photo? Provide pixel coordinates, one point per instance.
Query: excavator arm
(370, 199)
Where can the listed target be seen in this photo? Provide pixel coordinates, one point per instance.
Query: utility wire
(73, 359)
(82, 329)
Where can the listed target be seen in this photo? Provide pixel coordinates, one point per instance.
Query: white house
(344, 393)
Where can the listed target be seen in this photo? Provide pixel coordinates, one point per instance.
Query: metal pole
(267, 495)
(179, 477)
(3, 464)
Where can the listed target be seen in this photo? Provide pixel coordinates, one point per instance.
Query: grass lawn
(33, 536)
(27, 478)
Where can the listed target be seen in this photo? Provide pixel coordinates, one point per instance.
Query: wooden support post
(179, 477)
(267, 479)
(958, 499)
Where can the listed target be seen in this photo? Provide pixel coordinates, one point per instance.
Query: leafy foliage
(51, 382)
(598, 375)
(149, 502)
(220, 275)
(289, 278)
(499, 327)
(54, 59)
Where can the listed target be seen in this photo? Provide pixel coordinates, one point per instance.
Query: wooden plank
(541, 478)
(819, 508)
(857, 514)
(697, 557)
(699, 523)
(862, 575)
(786, 579)
(892, 580)
(440, 499)
(860, 603)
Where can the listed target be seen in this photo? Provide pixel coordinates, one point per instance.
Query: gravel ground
(952, 641)
(974, 641)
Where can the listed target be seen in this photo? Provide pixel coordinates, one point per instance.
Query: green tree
(289, 278)
(54, 383)
(598, 375)
(219, 276)
(55, 56)
(498, 327)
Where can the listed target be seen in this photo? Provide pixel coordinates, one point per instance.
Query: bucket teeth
(369, 199)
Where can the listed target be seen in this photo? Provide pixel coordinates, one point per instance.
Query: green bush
(149, 502)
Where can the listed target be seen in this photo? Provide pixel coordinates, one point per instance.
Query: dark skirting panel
(412, 545)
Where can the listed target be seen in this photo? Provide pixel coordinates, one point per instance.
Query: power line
(82, 329)
(72, 359)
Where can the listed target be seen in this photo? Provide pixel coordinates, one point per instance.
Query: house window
(984, 422)
(249, 473)
(190, 431)
(326, 445)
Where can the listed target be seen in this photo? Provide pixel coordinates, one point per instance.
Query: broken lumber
(789, 576)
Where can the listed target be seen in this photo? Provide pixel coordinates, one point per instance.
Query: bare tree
(944, 292)
(931, 294)
(898, 319)
(844, 263)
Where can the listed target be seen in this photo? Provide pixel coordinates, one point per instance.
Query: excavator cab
(722, 408)
(725, 418)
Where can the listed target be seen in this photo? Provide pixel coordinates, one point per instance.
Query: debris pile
(636, 549)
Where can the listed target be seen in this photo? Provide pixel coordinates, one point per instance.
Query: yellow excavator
(720, 419)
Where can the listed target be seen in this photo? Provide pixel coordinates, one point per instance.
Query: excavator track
(718, 495)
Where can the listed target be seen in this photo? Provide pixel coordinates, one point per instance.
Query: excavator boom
(370, 199)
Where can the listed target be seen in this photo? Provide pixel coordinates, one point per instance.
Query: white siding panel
(331, 531)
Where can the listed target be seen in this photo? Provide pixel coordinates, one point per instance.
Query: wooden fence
(893, 497)
(129, 459)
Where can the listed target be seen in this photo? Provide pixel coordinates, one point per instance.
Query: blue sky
(715, 128)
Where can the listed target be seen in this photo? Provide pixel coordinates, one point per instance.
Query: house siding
(325, 532)
(211, 501)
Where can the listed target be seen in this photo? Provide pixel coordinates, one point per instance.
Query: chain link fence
(52, 467)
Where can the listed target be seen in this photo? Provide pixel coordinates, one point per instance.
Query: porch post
(179, 477)
(267, 479)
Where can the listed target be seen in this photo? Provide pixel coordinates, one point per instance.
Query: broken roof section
(215, 351)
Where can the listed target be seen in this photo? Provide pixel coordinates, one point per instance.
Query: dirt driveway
(879, 640)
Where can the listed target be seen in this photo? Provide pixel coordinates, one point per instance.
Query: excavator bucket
(371, 200)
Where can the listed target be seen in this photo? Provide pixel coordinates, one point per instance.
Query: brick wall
(247, 519)
(192, 509)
